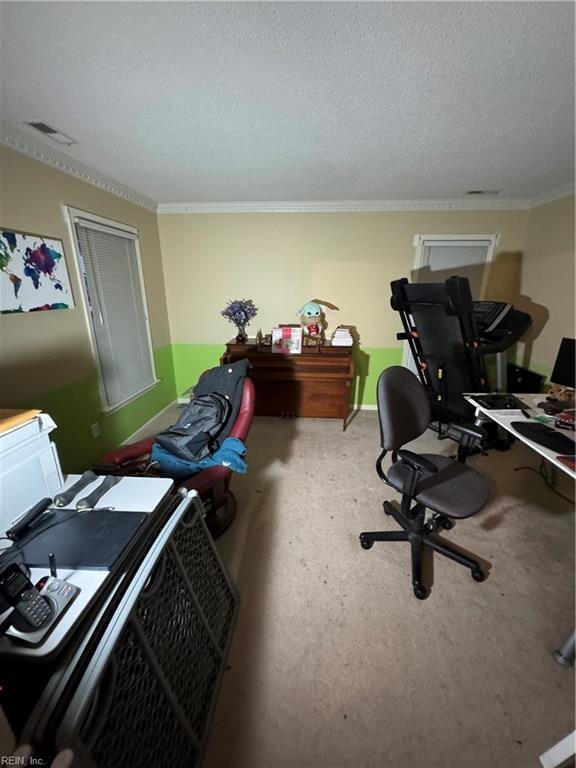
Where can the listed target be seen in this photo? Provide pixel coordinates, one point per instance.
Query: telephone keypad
(35, 608)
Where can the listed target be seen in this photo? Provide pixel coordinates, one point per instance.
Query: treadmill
(450, 336)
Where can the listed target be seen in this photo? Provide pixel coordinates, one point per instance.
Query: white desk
(504, 419)
(132, 494)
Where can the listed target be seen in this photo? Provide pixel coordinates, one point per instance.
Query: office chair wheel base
(479, 575)
(421, 592)
(366, 543)
(448, 524)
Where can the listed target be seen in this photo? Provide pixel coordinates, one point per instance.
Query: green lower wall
(77, 406)
(190, 360)
(370, 362)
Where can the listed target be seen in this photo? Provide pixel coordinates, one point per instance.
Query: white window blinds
(109, 261)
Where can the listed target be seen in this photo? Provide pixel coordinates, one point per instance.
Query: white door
(439, 257)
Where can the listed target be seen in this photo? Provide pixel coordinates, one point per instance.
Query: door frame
(418, 243)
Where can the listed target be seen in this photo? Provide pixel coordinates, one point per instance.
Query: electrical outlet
(95, 429)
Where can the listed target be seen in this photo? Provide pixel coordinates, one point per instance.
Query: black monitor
(563, 372)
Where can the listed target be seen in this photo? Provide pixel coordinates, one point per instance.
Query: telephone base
(60, 594)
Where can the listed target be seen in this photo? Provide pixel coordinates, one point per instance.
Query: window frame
(71, 214)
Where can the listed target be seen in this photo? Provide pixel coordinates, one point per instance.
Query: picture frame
(287, 340)
(33, 273)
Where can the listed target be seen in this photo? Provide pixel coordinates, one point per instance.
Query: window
(109, 263)
(438, 257)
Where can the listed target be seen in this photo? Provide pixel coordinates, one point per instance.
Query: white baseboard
(136, 435)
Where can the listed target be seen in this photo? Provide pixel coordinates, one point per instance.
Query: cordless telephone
(26, 600)
(36, 611)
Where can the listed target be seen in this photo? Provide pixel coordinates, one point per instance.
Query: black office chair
(447, 488)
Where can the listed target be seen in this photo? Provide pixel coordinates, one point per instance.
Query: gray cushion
(403, 407)
(456, 490)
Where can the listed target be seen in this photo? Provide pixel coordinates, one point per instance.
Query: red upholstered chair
(212, 484)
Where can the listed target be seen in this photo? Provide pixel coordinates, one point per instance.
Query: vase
(242, 336)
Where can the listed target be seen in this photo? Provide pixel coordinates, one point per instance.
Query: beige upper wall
(548, 279)
(44, 350)
(279, 260)
(283, 260)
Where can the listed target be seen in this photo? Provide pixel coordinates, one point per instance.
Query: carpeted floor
(334, 662)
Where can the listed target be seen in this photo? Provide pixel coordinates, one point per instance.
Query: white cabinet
(29, 467)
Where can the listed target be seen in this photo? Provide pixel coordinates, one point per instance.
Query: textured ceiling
(266, 101)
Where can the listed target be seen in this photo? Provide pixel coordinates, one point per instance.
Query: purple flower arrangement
(240, 312)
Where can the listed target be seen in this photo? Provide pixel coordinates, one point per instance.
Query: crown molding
(346, 206)
(554, 194)
(368, 206)
(29, 145)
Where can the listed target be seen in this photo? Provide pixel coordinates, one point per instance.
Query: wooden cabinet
(317, 383)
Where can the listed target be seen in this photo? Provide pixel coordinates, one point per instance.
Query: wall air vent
(50, 132)
(483, 192)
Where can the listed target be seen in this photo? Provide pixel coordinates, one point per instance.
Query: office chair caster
(439, 521)
(421, 591)
(479, 575)
(366, 543)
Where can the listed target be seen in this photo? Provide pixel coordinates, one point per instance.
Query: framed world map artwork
(33, 273)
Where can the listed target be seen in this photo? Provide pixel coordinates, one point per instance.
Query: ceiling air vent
(483, 192)
(51, 133)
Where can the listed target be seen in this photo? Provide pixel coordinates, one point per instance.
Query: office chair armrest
(416, 462)
(471, 436)
(416, 465)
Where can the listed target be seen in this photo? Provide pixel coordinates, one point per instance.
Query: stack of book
(342, 337)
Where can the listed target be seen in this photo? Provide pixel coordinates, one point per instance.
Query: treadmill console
(489, 314)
